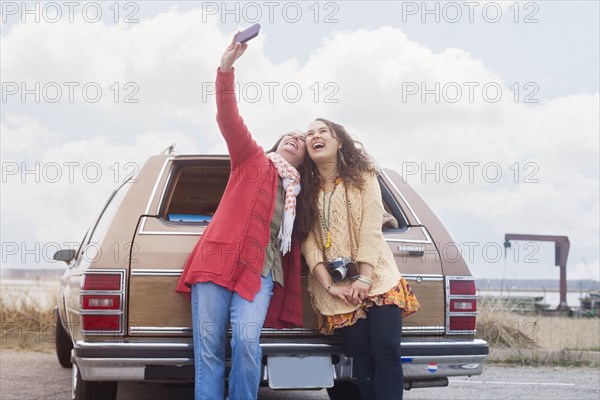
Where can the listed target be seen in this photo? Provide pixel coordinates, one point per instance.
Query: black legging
(374, 344)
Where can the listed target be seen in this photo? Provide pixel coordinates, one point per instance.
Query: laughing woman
(341, 219)
(246, 253)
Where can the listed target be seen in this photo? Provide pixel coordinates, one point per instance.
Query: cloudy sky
(489, 109)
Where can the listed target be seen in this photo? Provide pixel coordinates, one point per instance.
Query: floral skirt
(400, 295)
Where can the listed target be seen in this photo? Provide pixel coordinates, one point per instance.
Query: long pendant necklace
(327, 205)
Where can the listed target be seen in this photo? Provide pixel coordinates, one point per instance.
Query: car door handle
(410, 253)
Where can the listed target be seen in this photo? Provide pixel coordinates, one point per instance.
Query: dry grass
(553, 333)
(506, 329)
(27, 318)
(533, 339)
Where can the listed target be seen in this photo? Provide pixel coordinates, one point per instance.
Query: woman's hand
(232, 53)
(341, 292)
(357, 292)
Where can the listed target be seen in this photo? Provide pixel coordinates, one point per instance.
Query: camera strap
(321, 243)
(352, 249)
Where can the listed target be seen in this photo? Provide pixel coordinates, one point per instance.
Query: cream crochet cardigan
(366, 211)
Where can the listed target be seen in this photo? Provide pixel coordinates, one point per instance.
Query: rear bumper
(174, 361)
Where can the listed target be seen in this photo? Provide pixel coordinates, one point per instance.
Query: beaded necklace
(327, 205)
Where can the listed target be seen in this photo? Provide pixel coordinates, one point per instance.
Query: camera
(341, 268)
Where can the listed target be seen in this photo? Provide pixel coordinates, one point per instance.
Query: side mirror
(66, 255)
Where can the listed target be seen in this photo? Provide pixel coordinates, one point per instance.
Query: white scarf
(291, 184)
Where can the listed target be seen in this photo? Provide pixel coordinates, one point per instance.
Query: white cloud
(56, 194)
(172, 58)
(23, 137)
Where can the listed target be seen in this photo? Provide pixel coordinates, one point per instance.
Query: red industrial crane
(561, 252)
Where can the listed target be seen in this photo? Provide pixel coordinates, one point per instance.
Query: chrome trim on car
(423, 277)
(445, 366)
(122, 369)
(449, 297)
(273, 333)
(415, 367)
(169, 233)
(122, 302)
(186, 344)
(418, 368)
(391, 240)
(290, 332)
(158, 330)
(164, 191)
(154, 189)
(139, 345)
(408, 241)
(422, 329)
(425, 233)
(401, 196)
(448, 342)
(156, 272)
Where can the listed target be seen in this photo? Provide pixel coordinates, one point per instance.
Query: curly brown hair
(353, 162)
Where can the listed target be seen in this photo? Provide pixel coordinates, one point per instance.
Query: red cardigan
(231, 251)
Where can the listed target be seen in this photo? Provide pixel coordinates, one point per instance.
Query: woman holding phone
(246, 255)
(340, 223)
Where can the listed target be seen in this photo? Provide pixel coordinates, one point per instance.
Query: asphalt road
(30, 375)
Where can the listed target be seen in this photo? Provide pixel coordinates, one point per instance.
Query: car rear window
(195, 190)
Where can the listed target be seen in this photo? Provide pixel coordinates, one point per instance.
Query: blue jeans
(213, 307)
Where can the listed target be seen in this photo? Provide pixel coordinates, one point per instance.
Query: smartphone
(248, 34)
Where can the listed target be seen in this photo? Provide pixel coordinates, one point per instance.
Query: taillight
(461, 305)
(462, 323)
(462, 288)
(101, 302)
(104, 281)
(101, 323)
(102, 296)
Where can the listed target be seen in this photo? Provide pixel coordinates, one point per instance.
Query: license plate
(299, 372)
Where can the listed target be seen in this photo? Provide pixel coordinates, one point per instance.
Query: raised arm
(240, 144)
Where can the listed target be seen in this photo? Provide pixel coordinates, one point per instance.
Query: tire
(91, 390)
(63, 343)
(344, 390)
